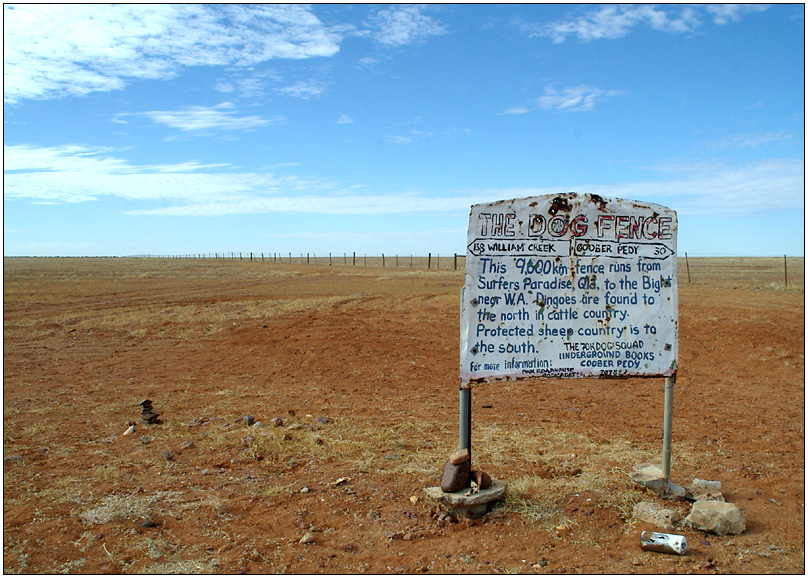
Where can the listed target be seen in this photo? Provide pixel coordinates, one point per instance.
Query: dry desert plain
(374, 351)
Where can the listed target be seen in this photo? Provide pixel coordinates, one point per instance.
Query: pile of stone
(710, 511)
(147, 414)
(463, 492)
(457, 474)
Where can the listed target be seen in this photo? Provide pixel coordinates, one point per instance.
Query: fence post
(429, 261)
(382, 260)
(785, 270)
(354, 258)
(455, 261)
(687, 264)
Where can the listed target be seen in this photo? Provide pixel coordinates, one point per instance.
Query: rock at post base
(719, 518)
(650, 476)
(459, 457)
(455, 477)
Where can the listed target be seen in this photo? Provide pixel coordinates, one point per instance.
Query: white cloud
(53, 50)
(403, 24)
(724, 13)
(219, 117)
(616, 21)
(344, 119)
(574, 98)
(752, 140)
(516, 110)
(72, 173)
(302, 89)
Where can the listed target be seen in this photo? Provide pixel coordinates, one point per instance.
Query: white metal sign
(570, 285)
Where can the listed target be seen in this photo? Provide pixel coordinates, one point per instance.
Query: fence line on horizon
(454, 261)
(790, 271)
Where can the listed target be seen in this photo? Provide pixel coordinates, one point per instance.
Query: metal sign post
(667, 422)
(464, 441)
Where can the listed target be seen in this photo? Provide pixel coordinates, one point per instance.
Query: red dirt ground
(376, 352)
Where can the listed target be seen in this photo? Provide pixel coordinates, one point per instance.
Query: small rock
(706, 486)
(148, 524)
(653, 514)
(291, 412)
(636, 562)
(307, 538)
(562, 531)
(186, 445)
(304, 490)
(247, 440)
(459, 457)
(496, 514)
(258, 424)
(322, 420)
(194, 422)
(248, 420)
(129, 430)
(720, 518)
(276, 422)
(482, 479)
(145, 439)
(414, 499)
(295, 426)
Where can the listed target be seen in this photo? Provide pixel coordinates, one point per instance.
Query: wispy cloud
(725, 13)
(516, 110)
(616, 21)
(219, 117)
(73, 174)
(403, 24)
(574, 98)
(53, 50)
(570, 99)
(344, 119)
(752, 140)
(304, 90)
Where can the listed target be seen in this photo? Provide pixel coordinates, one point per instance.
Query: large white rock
(719, 518)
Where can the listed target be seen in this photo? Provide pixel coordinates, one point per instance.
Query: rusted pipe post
(667, 422)
(785, 270)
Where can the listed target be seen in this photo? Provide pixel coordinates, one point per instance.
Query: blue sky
(175, 129)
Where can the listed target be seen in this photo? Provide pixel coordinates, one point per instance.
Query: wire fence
(737, 272)
(436, 262)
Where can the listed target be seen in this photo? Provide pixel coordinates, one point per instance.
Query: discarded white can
(659, 542)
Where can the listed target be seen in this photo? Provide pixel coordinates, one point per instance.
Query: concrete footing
(472, 506)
